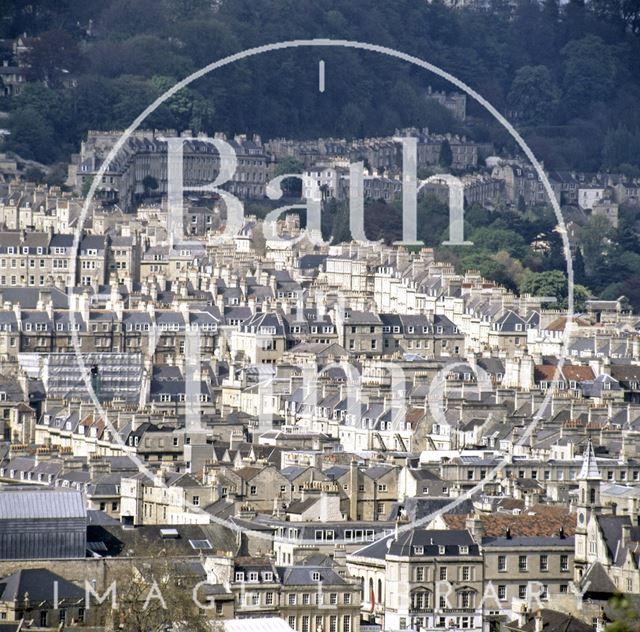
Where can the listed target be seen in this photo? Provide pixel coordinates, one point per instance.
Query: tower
(588, 505)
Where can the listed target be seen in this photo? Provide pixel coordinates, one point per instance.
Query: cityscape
(328, 327)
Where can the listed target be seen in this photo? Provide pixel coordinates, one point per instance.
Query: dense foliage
(570, 77)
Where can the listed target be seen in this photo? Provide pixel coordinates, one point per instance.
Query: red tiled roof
(577, 373)
(539, 520)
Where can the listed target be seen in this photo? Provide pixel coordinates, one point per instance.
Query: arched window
(379, 591)
(593, 495)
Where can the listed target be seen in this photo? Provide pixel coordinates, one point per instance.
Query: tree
(621, 146)
(291, 187)
(589, 72)
(551, 283)
(623, 12)
(32, 136)
(155, 595)
(495, 239)
(533, 95)
(626, 617)
(446, 155)
(33, 174)
(149, 183)
(592, 237)
(53, 56)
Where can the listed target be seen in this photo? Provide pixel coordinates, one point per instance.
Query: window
(346, 623)
(544, 562)
(333, 623)
(522, 563)
(502, 592)
(418, 550)
(292, 599)
(62, 615)
(292, 622)
(333, 599)
(306, 599)
(196, 501)
(464, 550)
(239, 576)
(443, 573)
(564, 589)
(465, 600)
(315, 576)
(420, 574)
(502, 562)
(268, 599)
(253, 490)
(43, 618)
(466, 573)
(564, 563)
(305, 623)
(253, 577)
(347, 598)
(522, 591)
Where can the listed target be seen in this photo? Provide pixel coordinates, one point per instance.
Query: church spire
(589, 471)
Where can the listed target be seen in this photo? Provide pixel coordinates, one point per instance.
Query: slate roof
(553, 621)
(597, 581)
(39, 584)
(421, 542)
(304, 576)
(122, 542)
(20, 503)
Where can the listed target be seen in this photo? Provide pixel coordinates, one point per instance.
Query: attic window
(200, 544)
(418, 550)
(315, 576)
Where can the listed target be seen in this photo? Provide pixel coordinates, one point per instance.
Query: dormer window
(418, 550)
